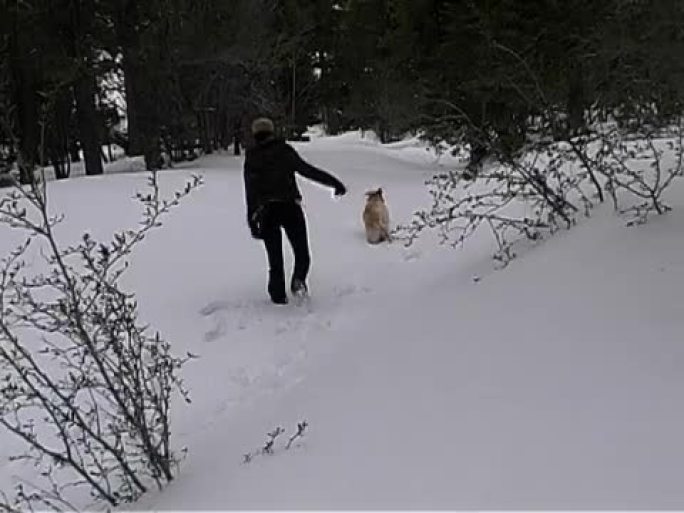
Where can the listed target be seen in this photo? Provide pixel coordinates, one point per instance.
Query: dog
(376, 217)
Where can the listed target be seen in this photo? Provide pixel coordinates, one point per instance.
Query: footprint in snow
(217, 331)
(411, 256)
(311, 314)
(215, 306)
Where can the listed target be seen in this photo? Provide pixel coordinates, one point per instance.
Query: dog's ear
(377, 193)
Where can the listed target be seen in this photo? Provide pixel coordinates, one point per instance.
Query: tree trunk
(74, 151)
(203, 131)
(575, 100)
(153, 159)
(88, 127)
(56, 137)
(126, 20)
(82, 17)
(149, 129)
(27, 113)
(236, 144)
(59, 166)
(24, 91)
(135, 140)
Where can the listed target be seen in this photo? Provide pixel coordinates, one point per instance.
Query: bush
(84, 384)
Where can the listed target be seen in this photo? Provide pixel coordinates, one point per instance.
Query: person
(273, 204)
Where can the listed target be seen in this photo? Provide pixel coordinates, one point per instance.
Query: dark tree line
(492, 73)
(512, 70)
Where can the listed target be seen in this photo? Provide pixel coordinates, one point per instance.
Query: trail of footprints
(223, 315)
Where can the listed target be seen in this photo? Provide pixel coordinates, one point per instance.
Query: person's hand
(340, 190)
(256, 233)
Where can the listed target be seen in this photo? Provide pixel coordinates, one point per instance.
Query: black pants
(290, 217)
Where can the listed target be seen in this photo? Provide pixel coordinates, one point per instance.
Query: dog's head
(375, 195)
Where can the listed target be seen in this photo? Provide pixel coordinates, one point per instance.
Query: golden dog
(376, 218)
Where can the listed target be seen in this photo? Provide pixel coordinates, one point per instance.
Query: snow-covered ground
(428, 380)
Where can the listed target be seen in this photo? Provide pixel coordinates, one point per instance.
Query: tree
(534, 92)
(51, 54)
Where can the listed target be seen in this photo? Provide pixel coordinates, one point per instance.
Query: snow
(428, 379)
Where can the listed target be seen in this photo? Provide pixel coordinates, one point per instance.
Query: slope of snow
(556, 383)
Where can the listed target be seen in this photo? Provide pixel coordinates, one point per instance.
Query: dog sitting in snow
(376, 218)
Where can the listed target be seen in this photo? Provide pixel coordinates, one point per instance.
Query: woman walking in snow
(274, 202)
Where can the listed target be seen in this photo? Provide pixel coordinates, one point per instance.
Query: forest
(184, 77)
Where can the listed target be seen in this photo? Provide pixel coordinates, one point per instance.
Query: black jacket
(270, 168)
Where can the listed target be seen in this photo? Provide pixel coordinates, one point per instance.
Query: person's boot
(276, 288)
(299, 289)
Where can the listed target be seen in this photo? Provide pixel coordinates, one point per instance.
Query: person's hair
(262, 126)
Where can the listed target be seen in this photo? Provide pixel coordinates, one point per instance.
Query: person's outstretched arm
(313, 173)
